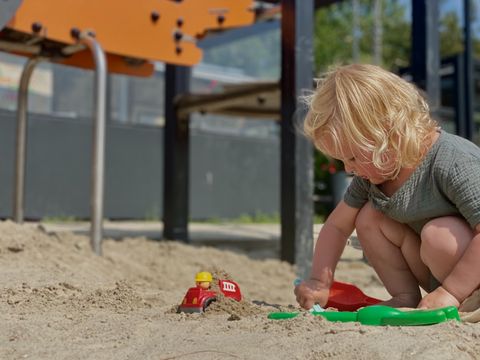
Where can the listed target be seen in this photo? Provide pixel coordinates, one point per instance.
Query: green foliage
(451, 41)
(153, 214)
(257, 218)
(60, 219)
(396, 36)
(333, 36)
(332, 40)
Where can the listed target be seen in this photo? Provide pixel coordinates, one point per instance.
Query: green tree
(332, 41)
(451, 36)
(396, 35)
(334, 34)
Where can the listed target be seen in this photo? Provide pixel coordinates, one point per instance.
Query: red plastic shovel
(348, 297)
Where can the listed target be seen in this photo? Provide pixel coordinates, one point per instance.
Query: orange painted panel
(131, 28)
(115, 63)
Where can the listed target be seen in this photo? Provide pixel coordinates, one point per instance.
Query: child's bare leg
(393, 249)
(444, 241)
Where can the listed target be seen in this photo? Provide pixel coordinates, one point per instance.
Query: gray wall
(230, 175)
(233, 175)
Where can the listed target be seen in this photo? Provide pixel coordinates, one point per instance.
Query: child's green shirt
(447, 182)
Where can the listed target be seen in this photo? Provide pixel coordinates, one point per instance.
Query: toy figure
(198, 298)
(203, 279)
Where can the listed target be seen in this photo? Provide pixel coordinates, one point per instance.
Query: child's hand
(437, 299)
(311, 292)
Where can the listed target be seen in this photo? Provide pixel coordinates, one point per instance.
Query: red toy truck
(198, 298)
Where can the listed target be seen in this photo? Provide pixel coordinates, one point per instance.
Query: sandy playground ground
(60, 301)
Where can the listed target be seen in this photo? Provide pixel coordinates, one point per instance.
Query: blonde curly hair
(372, 110)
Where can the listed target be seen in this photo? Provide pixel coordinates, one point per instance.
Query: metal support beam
(458, 90)
(98, 143)
(425, 49)
(468, 75)
(176, 157)
(229, 98)
(296, 151)
(355, 32)
(21, 140)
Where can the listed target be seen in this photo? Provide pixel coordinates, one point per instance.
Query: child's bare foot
(403, 301)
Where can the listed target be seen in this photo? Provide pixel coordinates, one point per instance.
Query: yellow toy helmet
(203, 276)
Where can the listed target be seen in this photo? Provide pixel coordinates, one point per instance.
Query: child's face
(359, 162)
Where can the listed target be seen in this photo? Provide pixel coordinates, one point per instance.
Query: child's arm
(328, 249)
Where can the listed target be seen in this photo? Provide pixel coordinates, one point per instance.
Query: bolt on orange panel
(160, 30)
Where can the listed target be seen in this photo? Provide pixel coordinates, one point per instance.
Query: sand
(60, 301)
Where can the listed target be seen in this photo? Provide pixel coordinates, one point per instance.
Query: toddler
(415, 195)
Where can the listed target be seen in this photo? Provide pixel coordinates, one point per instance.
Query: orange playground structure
(131, 33)
(119, 36)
